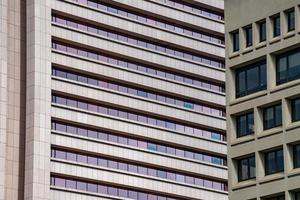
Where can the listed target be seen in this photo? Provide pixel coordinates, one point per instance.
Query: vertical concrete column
(38, 100)
(3, 93)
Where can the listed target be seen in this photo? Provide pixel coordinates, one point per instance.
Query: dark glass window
(274, 162)
(262, 31)
(249, 36)
(281, 197)
(290, 20)
(245, 124)
(251, 79)
(295, 110)
(288, 66)
(297, 195)
(296, 155)
(276, 25)
(272, 116)
(235, 41)
(246, 168)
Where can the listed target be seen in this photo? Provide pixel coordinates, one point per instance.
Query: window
(272, 117)
(251, 79)
(262, 31)
(249, 36)
(295, 110)
(274, 162)
(290, 20)
(245, 124)
(235, 41)
(297, 195)
(288, 66)
(246, 168)
(276, 25)
(281, 197)
(296, 156)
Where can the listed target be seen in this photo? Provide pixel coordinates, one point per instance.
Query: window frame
(295, 156)
(274, 21)
(291, 25)
(287, 78)
(248, 30)
(235, 35)
(245, 70)
(262, 26)
(249, 177)
(273, 107)
(293, 103)
(248, 132)
(275, 162)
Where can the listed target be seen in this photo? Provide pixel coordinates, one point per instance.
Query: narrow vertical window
(262, 31)
(296, 156)
(276, 25)
(249, 36)
(290, 20)
(235, 41)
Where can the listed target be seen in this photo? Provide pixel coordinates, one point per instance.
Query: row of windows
(134, 40)
(136, 66)
(275, 20)
(135, 142)
(103, 109)
(272, 117)
(103, 83)
(253, 78)
(139, 169)
(273, 163)
(194, 8)
(152, 21)
(103, 189)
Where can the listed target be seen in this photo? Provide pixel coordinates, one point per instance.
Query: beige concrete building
(112, 99)
(262, 84)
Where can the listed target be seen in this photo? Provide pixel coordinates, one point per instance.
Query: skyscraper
(262, 91)
(112, 99)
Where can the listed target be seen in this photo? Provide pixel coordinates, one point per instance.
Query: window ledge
(272, 177)
(234, 54)
(285, 85)
(269, 132)
(289, 34)
(275, 39)
(294, 172)
(293, 125)
(248, 97)
(247, 50)
(242, 140)
(261, 45)
(244, 184)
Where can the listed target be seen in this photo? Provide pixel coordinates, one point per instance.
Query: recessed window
(290, 20)
(297, 195)
(262, 31)
(251, 79)
(296, 156)
(235, 40)
(272, 117)
(246, 168)
(288, 66)
(274, 162)
(276, 25)
(281, 197)
(245, 124)
(249, 36)
(295, 110)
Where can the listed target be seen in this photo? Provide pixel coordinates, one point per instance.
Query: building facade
(119, 99)
(262, 99)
